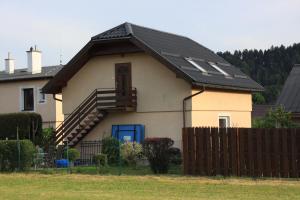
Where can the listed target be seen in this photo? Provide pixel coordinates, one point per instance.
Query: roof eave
(26, 79)
(225, 87)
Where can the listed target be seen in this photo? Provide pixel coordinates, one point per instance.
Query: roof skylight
(218, 68)
(192, 62)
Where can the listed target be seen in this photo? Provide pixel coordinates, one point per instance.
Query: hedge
(9, 155)
(111, 147)
(157, 151)
(29, 126)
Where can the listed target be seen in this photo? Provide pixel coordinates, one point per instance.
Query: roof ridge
(153, 29)
(126, 25)
(128, 28)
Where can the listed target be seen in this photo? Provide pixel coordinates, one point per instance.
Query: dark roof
(290, 94)
(172, 50)
(23, 74)
(261, 110)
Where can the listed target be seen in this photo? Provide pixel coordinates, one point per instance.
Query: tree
(270, 67)
(275, 118)
(258, 98)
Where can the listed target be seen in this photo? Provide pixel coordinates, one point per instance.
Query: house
(289, 97)
(21, 89)
(136, 75)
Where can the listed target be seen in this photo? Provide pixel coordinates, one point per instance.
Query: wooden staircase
(91, 112)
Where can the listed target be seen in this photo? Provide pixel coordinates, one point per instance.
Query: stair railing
(100, 99)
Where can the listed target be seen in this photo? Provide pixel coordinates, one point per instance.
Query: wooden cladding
(241, 152)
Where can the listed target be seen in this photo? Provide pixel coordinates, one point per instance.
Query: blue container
(130, 133)
(63, 163)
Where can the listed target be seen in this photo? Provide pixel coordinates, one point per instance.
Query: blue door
(129, 132)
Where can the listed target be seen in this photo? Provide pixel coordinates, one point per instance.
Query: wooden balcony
(114, 100)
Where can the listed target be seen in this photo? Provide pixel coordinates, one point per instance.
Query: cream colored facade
(210, 105)
(11, 101)
(159, 98)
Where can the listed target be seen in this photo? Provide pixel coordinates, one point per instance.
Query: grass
(149, 187)
(112, 170)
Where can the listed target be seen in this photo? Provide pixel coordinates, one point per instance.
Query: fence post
(250, 152)
(284, 154)
(259, 159)
(233, 150)
(216, 150)
(294, 172)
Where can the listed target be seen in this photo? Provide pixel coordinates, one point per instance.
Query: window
(218, 68)
(28, 99)
(192, 62)
(41, 96)
(224, 121)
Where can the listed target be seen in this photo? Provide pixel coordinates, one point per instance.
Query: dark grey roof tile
(289, 97)
(22, 74)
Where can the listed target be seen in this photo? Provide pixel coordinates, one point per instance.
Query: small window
(41, 96)
(224, 122)
(28, 99)
(218, 68)
(192, 62)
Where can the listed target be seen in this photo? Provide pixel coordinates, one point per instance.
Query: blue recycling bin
(62, 163)
(129, 132)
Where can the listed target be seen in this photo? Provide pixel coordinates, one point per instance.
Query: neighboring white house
(20, 89)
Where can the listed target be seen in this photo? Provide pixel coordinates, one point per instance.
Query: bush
(9, 155)
(110, 147)
(157, 151)
(175, 156)
(72, 154)
(29, 126)
(46, 138)
(101, 163)
(131, 152)
(100, 160)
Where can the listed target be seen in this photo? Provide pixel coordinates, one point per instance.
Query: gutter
(56, 99)
(184, 104)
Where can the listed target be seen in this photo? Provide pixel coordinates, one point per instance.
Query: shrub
(110, 147)
(101, 163)
(100, 160)
(72, 154)
(157, 151)
(131, 152)
(9, 155)
(46, 138)
(29, 126)
(175, 156)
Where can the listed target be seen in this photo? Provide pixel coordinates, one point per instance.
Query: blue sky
(64, 26)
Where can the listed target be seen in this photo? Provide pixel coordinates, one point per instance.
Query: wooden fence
(241, 152)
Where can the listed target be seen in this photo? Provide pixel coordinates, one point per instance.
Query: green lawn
(76, 186)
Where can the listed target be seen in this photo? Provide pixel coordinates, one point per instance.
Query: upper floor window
(27, 99)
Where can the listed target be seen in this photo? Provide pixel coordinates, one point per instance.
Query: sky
(63, 27)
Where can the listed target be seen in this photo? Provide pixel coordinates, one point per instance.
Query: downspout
(56, 99)
(184, 104)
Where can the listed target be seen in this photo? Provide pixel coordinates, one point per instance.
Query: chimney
(34, 60)
(9, 64)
